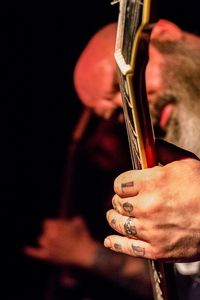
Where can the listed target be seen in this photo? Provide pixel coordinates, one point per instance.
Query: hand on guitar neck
(98, 89)
(153, 207)
(172, 101)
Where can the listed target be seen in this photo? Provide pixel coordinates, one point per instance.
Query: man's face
(173, 89)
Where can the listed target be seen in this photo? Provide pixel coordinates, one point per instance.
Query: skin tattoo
(113, 222)
(118, 247)
(128, 207)
(129, 228)
(126, 185)
(139, 251)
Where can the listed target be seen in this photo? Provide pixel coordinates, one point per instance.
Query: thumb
(167, 152)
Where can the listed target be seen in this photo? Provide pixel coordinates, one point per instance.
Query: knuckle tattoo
(129, 228)
(128, 207)
(126, 185)
(137, 250)
(117, 247)
(113, 222)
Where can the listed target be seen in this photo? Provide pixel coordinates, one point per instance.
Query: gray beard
(182, 78)
(183, 128)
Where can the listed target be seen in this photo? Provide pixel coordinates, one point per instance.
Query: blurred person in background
(76, 242)
(97, 86)
(172, 82)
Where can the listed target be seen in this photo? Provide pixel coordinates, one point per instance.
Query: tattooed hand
(157, 210)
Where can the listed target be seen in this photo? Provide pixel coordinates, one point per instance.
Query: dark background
(48, 40)
(42, 111)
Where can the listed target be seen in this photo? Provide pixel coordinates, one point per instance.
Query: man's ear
(166, 31)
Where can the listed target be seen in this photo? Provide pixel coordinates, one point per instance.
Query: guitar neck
(131, 53)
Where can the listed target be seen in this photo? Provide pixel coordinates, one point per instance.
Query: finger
(124, 206)
(131, 183)
(36, 252)
(129, 246)
(167, 152)
(127, 226)
(124, 184)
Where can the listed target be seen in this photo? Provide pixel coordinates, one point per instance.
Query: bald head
(95, 69)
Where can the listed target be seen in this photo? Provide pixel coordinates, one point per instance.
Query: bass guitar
(135, 21)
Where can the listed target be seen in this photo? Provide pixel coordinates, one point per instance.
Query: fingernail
(107, 214)
(107, 243)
